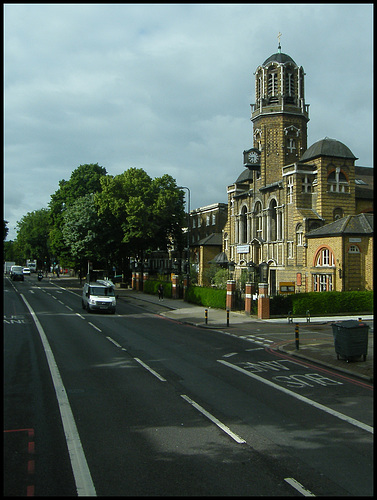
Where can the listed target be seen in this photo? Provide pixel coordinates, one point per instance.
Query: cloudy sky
(167, 88)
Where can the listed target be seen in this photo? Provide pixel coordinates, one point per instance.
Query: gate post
(230, 294)
(263, 302)
(249, 289)
(174, 284)
(133, 282)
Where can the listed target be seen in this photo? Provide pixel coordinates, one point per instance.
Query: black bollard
(227, 317)
(297, 336)
(206, 315)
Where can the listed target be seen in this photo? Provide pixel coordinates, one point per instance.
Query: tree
(84, 232)
(85, 179)
(32, 240)
(149, 213)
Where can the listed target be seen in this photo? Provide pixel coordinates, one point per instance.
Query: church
(307, 212)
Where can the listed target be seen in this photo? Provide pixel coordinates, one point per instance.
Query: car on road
(99, 296)
(16, 273)
(26, 271)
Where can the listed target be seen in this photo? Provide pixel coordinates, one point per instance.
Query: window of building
(194, 222)
(199, 221)
(299, 235)
(322, 283)
(258, 219)
(273, 220)
(290, 249)
(325, 258)
(272, 86)
(290, 188)
(207, 220)
(226, 237)
(213, 219)
(290, 84)
(243, 225)
(354, 249)
(337, 182)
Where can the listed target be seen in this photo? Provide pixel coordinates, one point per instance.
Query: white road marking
(80, 316)
(69, 308)
(213, 419)
(229, 355)
(94, 326)
(298, 486)
(81, 472)
(31, 291)
(150, 370)
(304, 399)
(61, 302)
(111, 340)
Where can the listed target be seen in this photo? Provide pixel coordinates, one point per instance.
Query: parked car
(16, 273)
(26, 270)
(99, 296)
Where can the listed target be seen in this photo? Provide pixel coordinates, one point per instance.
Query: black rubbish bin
(350, 339)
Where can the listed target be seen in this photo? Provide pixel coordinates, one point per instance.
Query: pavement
(315, 337)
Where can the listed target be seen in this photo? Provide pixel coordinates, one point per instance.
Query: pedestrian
(160, 291)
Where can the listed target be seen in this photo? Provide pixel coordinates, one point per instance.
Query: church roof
(327, 147)
(245, 176)
(280, 58)
(351, 224)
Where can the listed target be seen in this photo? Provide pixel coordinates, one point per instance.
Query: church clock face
(253, 157)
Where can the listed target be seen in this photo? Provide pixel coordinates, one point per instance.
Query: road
(137, 404)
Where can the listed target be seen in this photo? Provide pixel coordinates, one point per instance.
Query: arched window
(258, 219)
(226, 240)
(243, 225)
(337, 182)
(324, 258)
(273, 220)
(299, 235)
(272, 86)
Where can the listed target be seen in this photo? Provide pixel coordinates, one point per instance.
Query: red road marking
(30, 489)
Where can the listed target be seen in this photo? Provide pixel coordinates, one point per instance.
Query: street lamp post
(188, 230)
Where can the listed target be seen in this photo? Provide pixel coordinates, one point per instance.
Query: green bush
(151, 286)
(208, 297)
(322, 303)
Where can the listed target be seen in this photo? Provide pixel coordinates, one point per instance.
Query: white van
(99, 296)
(16, 273)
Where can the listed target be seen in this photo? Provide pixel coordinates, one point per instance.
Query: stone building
(287, 191)
(206, 225)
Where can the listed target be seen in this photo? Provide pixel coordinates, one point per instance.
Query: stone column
(263, 302)
(230, 294)
(133, 282)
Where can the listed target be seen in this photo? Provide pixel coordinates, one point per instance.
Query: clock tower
(279, 115)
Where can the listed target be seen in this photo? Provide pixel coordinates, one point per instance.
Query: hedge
(208, 297)
(322, 303)
(151, 286)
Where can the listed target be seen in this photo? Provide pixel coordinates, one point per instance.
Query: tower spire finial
(279, 46)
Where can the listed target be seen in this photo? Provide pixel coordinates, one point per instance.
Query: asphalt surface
(315, 337)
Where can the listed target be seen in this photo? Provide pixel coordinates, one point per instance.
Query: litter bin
(350, 339)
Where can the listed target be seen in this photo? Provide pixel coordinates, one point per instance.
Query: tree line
(101, 218)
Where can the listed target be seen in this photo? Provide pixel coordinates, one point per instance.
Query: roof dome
(280, 58)
(327, 147)
(245, 176)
